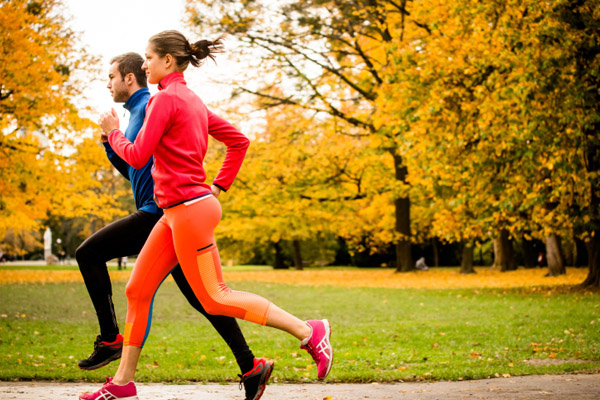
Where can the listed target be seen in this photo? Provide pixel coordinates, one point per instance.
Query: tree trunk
(342, 256)
(593, 248)
(581, 253)
(586, 57)
(529, 254)
(279, 264)
(554, 256)
(404, 260)
(436, 253)
(593, 245)
(504, 255)
(466, 265)
(297, 255)
(568, 252)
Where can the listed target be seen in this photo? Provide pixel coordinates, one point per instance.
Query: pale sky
(112, 27)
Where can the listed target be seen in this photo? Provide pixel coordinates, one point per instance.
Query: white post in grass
(47, 244)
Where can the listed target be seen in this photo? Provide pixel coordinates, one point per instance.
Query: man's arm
(116, 161)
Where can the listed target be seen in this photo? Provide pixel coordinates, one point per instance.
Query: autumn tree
(328, 57)
(89, 189)
(484, 114)
(38, 56)
(293, 187)
(45, 164)
(572, 79)
(503, 136)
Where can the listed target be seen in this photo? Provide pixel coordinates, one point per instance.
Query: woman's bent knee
(131, 292)
(137, 294)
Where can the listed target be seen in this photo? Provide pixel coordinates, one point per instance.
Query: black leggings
(126, 237)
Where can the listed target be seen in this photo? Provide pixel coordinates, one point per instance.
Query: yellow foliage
(38, 119)
(487, 144)
(437, 278)
(492, 107)
(297, 181)
(24, 191)
(43, 276)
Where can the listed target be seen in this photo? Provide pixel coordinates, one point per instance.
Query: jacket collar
(172, 77)
(134, 98)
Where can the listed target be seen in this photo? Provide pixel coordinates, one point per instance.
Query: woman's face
(156, 67)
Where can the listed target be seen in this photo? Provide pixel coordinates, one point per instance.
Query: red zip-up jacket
(175, 132)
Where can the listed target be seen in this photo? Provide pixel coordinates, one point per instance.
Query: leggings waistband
(189, 201)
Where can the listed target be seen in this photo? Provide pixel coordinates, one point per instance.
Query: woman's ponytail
(205, 48)
(174, 43)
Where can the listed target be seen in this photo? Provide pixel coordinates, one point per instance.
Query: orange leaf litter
(438, 278)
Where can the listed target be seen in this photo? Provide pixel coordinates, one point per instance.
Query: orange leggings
(185, 234)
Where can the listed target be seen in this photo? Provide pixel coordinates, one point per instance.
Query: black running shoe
(255, 381)
(104, 352)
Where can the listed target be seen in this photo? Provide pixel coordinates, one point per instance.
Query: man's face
(116, 84)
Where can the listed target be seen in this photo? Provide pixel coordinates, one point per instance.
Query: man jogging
(126, 237)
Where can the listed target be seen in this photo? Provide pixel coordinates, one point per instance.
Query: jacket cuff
(220, 187)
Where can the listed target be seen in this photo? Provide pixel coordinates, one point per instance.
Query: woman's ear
(169, 60)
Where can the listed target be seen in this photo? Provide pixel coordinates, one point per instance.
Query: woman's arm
(237, 145)
(155, 124)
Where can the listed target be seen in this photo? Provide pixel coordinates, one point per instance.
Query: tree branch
(333, 111)
(369, 95)
(323, 200)
(402, 9)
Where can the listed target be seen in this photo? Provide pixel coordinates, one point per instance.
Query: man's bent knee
(82, 254)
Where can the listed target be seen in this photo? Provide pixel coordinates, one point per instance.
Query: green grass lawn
(378, 334)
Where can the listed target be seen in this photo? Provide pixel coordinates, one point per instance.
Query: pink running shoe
(319, 347)
(110, 391)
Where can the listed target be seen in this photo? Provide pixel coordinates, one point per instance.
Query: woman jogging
(128, 84)
(175, 133)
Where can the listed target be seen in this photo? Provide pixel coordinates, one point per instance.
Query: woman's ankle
(120, 381)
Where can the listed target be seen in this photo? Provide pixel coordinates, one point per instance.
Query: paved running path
(546, 387)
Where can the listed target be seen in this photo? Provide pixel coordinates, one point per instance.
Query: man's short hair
(131, 63)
